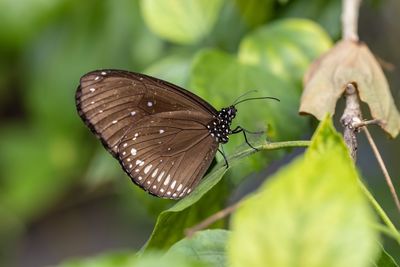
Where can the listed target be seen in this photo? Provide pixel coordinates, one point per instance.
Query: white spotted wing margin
(168, 155)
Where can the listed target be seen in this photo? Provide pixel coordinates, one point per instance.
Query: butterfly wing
(167, 155)
(111, 101)
(155, 129)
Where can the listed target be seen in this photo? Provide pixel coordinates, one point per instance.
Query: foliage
(314, 208)
(311, 213)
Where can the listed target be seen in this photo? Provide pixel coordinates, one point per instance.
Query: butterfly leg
(223, 154)
(239, 129)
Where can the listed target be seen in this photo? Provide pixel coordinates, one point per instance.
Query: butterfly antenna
(255, 98)
(248, 92)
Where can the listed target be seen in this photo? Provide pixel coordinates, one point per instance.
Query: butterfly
(164, 136)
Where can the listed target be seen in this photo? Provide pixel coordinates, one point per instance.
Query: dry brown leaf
(346, 62)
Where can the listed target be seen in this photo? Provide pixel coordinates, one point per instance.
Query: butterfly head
(226, 115)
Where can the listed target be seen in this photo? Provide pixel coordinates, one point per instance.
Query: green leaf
(172, 222)
(183, 22)
(208, 246)
(324, 12)
(221, 78)
(174, 68)
(311, 213)
(116, 259)
(255, 12)
(35, 13)
(202, 202)
(285, 48)
(385, 260)
(33, 170)
(124, 259)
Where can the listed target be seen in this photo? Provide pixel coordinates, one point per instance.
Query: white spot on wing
(160, 176)
(133, 152)
(97, 77)
(114, 122)
(167, 180)
(147, 169)
(161, 131)
(103, 73)
(173, 184)
(126, 144)
(179, 187)
(140, 178)
(149, 104)
(133, 113)
(162, 190)
(154, 173)
(92, 90)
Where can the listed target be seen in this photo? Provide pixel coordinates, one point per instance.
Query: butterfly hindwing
(158, 154)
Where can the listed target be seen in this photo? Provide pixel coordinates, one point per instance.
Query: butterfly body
(163, 136)
(220, 127)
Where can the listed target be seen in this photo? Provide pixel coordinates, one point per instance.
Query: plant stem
(385, 218)
(210, 220)
(383, 167)
(350, 19)
(352, 117)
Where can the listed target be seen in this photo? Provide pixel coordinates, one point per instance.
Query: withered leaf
(346, 62)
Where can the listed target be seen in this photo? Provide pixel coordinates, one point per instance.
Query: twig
(385, 218)
(212, 219)
(351, 117)
(383, 167)
(350, 19)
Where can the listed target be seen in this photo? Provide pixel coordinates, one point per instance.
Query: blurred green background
(61, 195)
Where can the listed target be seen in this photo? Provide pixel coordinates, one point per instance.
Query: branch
(350, 118)
(212, 219)
(350, 19)
(383, 167)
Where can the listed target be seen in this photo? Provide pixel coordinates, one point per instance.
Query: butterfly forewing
(111, 101)
(155, 129)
